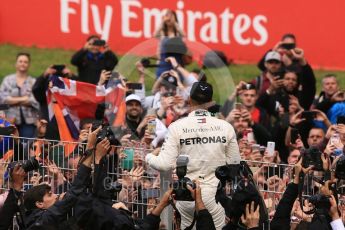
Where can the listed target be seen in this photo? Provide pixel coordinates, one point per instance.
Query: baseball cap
(133, 97)
(272, 55)
(169, 81)
(201, 92)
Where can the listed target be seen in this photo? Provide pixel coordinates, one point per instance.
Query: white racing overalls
(209, 142)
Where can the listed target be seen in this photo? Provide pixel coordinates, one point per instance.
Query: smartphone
(7, 131)
(150, 193)
(288, 46)
(308, 115)
(270, 148)
(59, 69)
(335, 139)
(341, 120)
(127, 163)
(115, 75)
(151, 127)
(238, 106)
(294, 135)
(134, 86)
(255, 147)
(99, 43)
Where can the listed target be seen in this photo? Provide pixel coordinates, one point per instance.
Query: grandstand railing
(140, 194)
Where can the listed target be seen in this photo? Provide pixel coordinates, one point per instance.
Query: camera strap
(300, 196)
(178, 216)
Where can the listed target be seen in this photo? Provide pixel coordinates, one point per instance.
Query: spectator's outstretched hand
(92, 138)
(251, 217)
(102, 149)
(333, 211)
(18, 175)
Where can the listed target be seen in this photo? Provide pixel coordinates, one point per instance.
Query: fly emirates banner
(243, 29)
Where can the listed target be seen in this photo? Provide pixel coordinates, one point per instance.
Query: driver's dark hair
(35, 194)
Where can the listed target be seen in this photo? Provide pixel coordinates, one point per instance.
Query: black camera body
(243, 192)
(105, 132)
(320, 201)
(28, 165)
(180, 186)
(146, 62)
(312, 157)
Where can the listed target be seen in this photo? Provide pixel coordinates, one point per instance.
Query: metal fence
(141, 186)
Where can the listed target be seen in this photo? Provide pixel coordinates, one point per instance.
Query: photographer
(47, 210)
(282, 216)
(10, 207)
(94, 57)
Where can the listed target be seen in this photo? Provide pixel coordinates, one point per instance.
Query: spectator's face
(240, 124)
(86, 126)
(248, 98)
(164, 90)
(315, 137)
(92, 48)
(169, 18)
(288, 40)
(290, 81)
(49, 200)
(273, 66)
(22, 63)
(293, 156)
(133, 109)
(330, 86)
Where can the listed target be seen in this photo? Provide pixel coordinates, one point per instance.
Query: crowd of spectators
(279, 106)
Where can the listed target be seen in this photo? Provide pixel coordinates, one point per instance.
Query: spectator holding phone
(301, 85)
(94, 57)
(15, 90)
(287, 42)
(273, 65)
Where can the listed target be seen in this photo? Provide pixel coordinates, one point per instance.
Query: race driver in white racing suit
(209, 142)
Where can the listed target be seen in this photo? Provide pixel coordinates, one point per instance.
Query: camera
(146, 62)
(180, 186)
(312, 157)
(105, 132)
(320, 201)
(28, 165)
(243, 191)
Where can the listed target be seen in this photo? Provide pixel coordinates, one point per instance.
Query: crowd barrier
(142, 186)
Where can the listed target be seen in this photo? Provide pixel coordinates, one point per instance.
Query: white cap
(273, 55)
(133, 97)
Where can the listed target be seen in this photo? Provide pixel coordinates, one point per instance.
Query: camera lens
(30, 165)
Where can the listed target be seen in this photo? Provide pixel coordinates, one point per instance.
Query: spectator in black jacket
(10, 207)
(299, 84)
(92, 59)
(330, 87)
(45, 209)
(290, 40)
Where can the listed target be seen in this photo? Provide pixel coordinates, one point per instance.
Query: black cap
(201, 92)
(169, 81)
